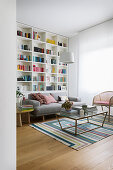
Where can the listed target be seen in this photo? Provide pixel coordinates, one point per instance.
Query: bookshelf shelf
(38, 63)
(39, 42)
(39, 53)
(39, 81)
(24, 38)
(48, 47)
(24, 71)
(27, 51)
(24, 61)
(24, 81)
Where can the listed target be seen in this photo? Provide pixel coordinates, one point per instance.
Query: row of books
(24, 57)
(63, 71)
(39, 87)
(23, 67)
(38, 69)
(38, 78)
(25, 107)
(61, 79)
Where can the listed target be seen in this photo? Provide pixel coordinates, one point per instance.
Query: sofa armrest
(35, 103)
(75, 99)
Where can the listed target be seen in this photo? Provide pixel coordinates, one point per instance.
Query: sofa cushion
(62, 98)
(56, 94)
(49, 99)
(35, 103)
(30, 95)
(42, 97)
(102, 102)
(47, 109)
(75, 99)
(36, 97)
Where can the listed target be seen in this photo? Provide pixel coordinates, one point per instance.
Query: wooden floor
(37, 151)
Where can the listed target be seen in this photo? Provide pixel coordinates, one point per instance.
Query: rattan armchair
(104, 99)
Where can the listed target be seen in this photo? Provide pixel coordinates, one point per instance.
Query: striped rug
(52, 129)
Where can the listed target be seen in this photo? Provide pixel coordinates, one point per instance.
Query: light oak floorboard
(37, 151)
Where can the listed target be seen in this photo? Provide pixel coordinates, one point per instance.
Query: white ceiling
(65, 17)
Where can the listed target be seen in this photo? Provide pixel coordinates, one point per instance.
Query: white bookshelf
(38, 60)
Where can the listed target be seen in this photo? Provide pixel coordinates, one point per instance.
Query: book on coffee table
(89, 108)
(25, 107)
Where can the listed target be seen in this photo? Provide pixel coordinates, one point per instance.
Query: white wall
(73, 68)
(95, 61)
(7, 84)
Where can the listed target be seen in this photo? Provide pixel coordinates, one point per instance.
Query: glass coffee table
(73, 114)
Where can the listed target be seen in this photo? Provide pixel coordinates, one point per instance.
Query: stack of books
(88, 109)
(25, 108)
(91, 108)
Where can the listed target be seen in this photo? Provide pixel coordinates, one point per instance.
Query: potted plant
(67, 105)
(19, 97)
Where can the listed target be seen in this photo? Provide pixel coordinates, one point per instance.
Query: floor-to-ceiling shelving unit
(38, 60)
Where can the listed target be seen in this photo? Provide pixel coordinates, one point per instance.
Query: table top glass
(73, 114)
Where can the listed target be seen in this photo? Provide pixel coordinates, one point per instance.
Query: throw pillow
(36, 97)
(63, 98)
(42, 97)
(49, 99)
(59, 98)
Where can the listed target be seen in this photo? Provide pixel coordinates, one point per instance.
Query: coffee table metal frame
(104, 113)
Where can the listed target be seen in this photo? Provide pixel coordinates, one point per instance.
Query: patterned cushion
(63, 98)
(42, 97)
(49, 99)
(36, 97)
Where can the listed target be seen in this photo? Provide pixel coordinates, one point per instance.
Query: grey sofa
(52, 108)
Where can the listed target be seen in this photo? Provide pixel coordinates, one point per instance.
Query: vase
(19, 101)
(68, 109)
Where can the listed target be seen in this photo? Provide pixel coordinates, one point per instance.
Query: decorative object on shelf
(67, 105)
(67, 57)
(63, 87)
(36, 36)
(24, 47)
(60, 44)
(37, 49)
(50, 41)
(53, 61)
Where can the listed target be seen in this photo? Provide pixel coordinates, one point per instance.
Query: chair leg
(102, 108)
(43, 118)
(109, 115)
